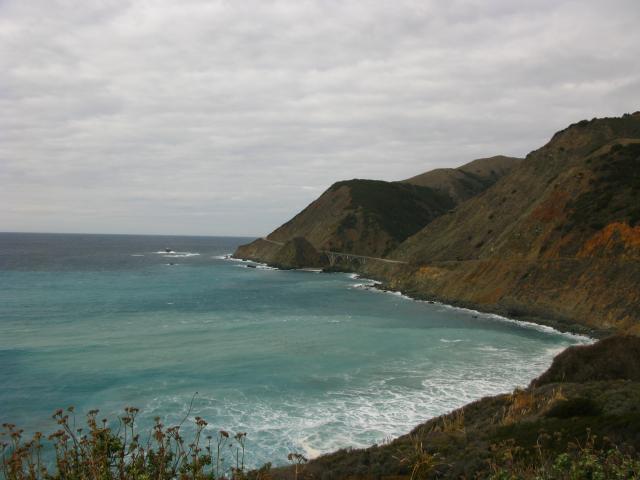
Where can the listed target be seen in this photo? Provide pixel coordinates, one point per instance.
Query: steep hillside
(590, 411)
(585, 177)
(370, 217)
(298, 253)
(558, 237)
(468, 180)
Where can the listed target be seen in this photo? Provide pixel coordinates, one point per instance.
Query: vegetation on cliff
(466, 181)
(366, 216)
(584, 178)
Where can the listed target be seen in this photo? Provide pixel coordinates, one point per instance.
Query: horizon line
(129, 234)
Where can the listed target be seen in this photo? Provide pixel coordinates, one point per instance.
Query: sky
(209, 117)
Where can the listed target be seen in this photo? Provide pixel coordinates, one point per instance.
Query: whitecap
(583, 339)
(488, 348)
(255, 266)
(395, 293)
(367, 284)
(309, 451)
(232, 259)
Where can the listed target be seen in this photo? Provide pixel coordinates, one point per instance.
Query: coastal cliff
(553, 238)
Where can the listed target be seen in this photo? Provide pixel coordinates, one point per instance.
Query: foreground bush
(102, 453)
(96, 451)
(591, 460)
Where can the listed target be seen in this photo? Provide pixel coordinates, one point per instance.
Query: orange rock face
(616, 239)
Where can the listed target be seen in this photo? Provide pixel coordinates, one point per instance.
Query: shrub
(579, 461)
(100, 452)
(574, 407)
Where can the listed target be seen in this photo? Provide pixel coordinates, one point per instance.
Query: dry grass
(421, 462)
(454, 422)
(523, 403)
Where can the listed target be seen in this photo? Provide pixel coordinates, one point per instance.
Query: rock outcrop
(298, 253)
(295, 253)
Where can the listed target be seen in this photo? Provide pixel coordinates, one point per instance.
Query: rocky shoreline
(379, 283)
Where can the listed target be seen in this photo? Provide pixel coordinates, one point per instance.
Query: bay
(301, 361)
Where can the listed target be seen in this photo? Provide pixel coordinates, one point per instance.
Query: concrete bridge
(335, 257)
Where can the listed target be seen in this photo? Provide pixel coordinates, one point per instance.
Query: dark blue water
(301, 361)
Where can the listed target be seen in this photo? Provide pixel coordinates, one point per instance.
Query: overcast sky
(228, 117)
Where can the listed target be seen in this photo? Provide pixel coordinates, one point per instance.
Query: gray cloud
(228, 117)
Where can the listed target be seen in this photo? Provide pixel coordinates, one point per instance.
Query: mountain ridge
(372, 217)
(465, 181)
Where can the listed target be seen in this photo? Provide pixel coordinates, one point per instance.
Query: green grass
(400, 209)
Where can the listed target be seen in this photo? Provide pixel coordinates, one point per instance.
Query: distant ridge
(372, 217)
(468, 180)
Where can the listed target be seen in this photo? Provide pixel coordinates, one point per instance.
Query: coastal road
(345, 254)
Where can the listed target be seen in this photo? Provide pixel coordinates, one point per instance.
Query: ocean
(302, 361)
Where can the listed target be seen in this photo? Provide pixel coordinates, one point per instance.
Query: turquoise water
(302, 361)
